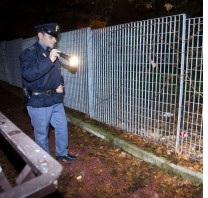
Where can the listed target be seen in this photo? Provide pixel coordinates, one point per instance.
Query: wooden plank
(4, 183)
(25, 175)
(38, 187)
(40, 176)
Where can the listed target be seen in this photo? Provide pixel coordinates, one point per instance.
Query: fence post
(90, 71)
(181, 80)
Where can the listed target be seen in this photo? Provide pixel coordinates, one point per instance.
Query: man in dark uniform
(44, 88)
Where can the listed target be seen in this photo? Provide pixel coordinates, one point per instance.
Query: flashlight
(73, 61)
(65, 56)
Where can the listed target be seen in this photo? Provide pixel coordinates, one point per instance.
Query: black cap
(50, 28)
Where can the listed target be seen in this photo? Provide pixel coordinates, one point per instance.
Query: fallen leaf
(79, 177)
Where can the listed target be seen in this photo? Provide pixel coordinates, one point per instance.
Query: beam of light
(73, 61)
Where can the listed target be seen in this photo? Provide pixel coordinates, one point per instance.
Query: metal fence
(143, 77)
(191, 105)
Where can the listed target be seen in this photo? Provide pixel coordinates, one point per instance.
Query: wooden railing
(39, 177)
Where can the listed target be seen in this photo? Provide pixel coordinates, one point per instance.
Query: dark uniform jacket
(39, 73)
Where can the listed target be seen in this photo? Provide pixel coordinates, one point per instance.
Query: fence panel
(13, 49)
(137, 76)
(4, 72)
(191, 133)
(28, 42)
(76, 87)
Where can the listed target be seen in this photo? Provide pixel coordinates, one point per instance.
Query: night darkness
(18, 17)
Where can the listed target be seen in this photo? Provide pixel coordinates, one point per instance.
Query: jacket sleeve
(32, 68)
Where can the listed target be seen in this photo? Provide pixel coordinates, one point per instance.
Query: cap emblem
(57, 28)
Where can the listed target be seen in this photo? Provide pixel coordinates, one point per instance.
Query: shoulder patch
(32, 47)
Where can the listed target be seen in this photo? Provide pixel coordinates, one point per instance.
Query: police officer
(44, 88)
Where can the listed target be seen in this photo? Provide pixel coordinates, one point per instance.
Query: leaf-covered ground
(101, 169)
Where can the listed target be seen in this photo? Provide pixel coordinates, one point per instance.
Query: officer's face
(47, 39)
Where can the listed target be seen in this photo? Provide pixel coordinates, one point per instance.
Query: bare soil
(101, 169)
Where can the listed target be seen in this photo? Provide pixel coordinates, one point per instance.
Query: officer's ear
(40, 35)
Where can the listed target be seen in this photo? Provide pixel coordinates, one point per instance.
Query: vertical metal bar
(164, 43)
(160, 61)
(137, 114)
(133, 72)
(193, 88)
(167, 74)
(100, 54)
(152, 73)
(125, 78)
(155, 84)
(146, 77)
(90, 72)
(106, 94)
(142, 77)
(102, 76)
(190, 87)
(177, 41)
(140, 73)
(117, 63)
(93, 57)
(106, 71)
(186, 80)
(122, 77)
(111, 77)
(131, 90)
(127, 105)
(200, 104)
(149, 74)
(84, 62)
(95, 71)
(172, 76)
(182, 78)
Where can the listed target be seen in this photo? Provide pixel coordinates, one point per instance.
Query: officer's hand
(54, 54)
(60, 89)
